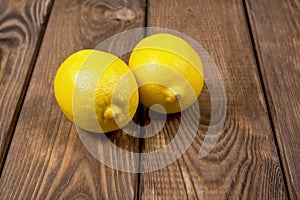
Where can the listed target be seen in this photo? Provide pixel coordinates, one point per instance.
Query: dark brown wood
(21, 28)
(244, 163)
(47, 160)
(276, 32)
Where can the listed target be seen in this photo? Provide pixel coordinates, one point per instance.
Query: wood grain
(276, 32)
(47, 160)
(21, 28)
(244, 163)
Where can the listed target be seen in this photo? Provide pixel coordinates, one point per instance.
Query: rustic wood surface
(244, 163)
(276, 31)
(21, 29)
(46, 159)
(255, 45)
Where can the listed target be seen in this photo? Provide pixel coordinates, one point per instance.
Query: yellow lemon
(96, 90)
(168, 71)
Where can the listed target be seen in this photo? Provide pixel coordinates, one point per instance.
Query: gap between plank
(141, 144)
(142, 118)
(20, 103)
(255, 52)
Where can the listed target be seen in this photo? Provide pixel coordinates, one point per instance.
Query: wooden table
(256, 46)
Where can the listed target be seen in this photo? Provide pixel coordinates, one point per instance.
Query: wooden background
(256, 46)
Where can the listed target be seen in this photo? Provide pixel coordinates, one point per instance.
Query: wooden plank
(21, 28)
(47, 160)
(244, 163)
(276, 31)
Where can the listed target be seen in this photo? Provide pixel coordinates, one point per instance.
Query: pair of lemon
(91, 85)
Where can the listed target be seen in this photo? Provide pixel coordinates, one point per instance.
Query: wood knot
(124, 14)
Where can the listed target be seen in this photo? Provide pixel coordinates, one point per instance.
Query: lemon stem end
(109, 114)
(172, 98)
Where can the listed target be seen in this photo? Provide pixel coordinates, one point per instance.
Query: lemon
(168, 71)
(96, 90)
